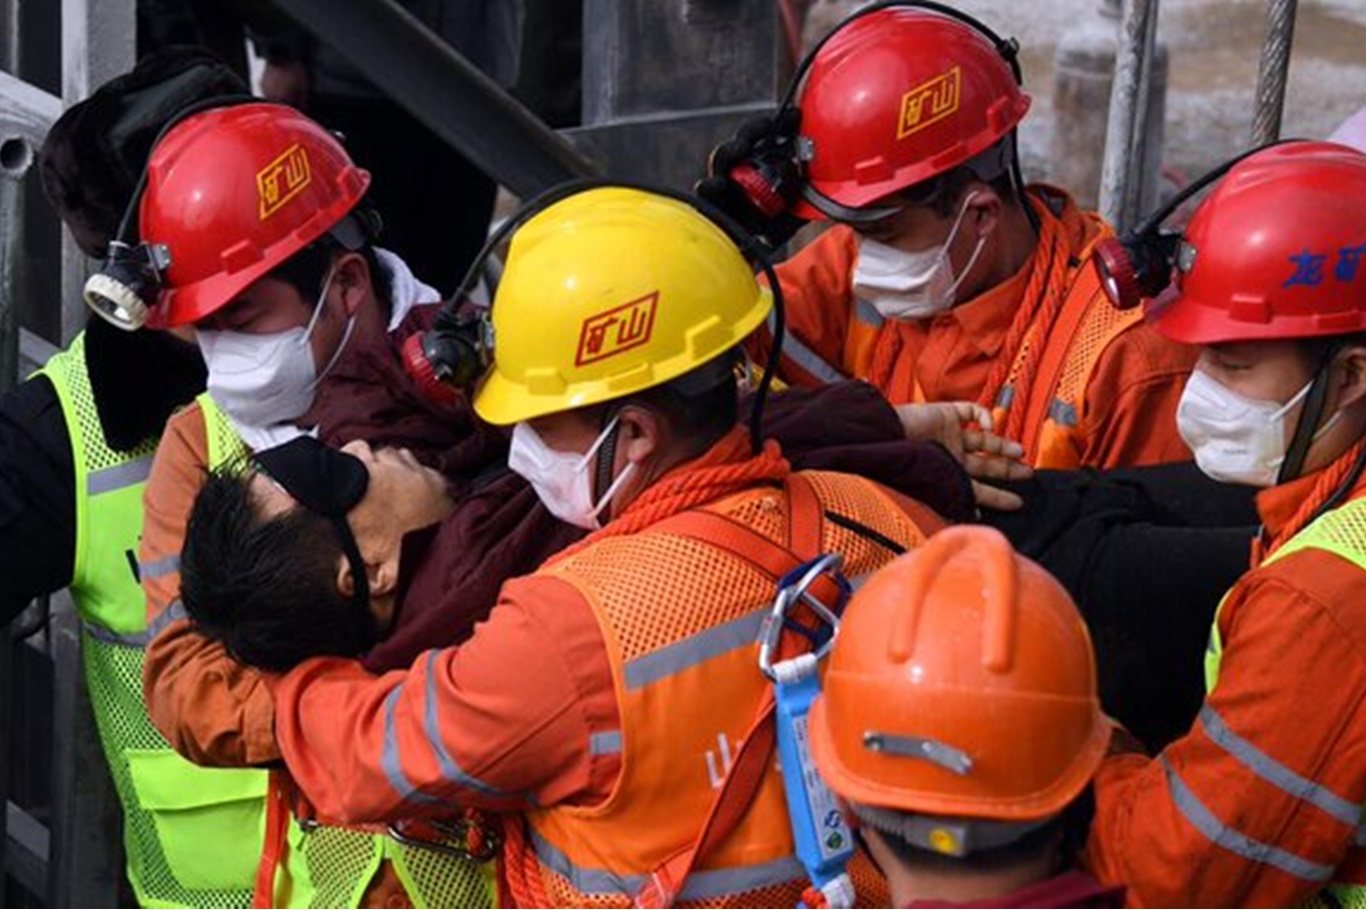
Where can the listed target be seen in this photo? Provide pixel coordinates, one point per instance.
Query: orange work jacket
(679, 615)
(1260, 804)
(1103, 391)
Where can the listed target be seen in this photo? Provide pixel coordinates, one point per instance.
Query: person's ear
(985, 208)
(351, 281)
(382, 577)
(640, 434)
(1352, 376)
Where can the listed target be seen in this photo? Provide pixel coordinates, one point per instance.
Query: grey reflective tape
(128, 474)
(867, 314)
(1275, 773)
(858, 581)
(706, 884)
(173, 613)
(796, 351)
(449, 768)
(389, 761)
(1005, 397)
(122, 639)
(159, 568)
(689, 652)
(1233, 841)
(608, 743)
(1063, 413)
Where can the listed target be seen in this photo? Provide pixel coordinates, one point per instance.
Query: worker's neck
(1015, 241)
(958, 882)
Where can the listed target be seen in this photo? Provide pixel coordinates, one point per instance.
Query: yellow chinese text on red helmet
(896, 97)
(609, 292)
(962, 683)
(234, 192)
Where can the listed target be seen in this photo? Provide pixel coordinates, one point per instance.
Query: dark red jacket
(501, 530)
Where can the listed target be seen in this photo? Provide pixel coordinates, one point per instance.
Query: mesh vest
(1341, 531)
(171, 807)
(679, 617)
(1052, 434)
(330, 866)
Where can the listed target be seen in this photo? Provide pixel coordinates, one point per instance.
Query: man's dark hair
(266, 588)
(944, 192)
(95, 152)
(699, 407)
(306, 270)
(1065, 834)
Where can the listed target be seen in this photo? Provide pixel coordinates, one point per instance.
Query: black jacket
(139, 378)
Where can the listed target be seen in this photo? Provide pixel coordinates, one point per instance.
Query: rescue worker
(603, 703)
(958, 810)
(260, 213)
(943, 277)
(1260, 803)
(76, 441)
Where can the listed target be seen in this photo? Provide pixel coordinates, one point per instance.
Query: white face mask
(267, 379)
(563, 480)
(1236, 439)
(902, 285)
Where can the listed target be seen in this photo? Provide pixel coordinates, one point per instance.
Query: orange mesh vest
(679, 617)
(1054, 435)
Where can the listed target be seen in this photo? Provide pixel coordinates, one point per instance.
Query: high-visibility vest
(171, 807)
(328, 866)
(1052, 434)
(679, 616)
(1055, 403)
(1341, 531)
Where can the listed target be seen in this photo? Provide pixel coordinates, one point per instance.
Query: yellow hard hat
(609, 292)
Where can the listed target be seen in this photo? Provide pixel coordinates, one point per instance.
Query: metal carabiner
(794, 589)
(452, 839)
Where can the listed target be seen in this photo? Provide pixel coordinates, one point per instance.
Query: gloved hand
(753, 177)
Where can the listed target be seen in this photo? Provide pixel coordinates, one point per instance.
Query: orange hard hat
(962, 683)
(1276, 251)
(897, 96)
(234, 192)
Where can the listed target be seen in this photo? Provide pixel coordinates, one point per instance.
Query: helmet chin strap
(1310, 416)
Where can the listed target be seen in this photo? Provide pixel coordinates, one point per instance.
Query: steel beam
(439, 87)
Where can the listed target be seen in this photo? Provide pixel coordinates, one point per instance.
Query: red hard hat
(896, 97)
(961, 683)
(1277, 250)
(234, 192)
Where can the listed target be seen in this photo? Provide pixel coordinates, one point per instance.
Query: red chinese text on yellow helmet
(962, 683)
(1277, 250)
(896, 97)
(234, 192)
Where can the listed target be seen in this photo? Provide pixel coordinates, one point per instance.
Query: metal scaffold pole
(1121, 171)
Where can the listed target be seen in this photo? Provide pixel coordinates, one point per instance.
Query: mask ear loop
(1303, 436)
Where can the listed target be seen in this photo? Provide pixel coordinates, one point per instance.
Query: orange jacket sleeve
(1131, 401)
(817, 302)
(506, 721)
(211, 709)
(1260, 802)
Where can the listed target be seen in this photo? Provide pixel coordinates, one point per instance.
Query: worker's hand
(286, 83)
(964, 428)
(753, 177)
